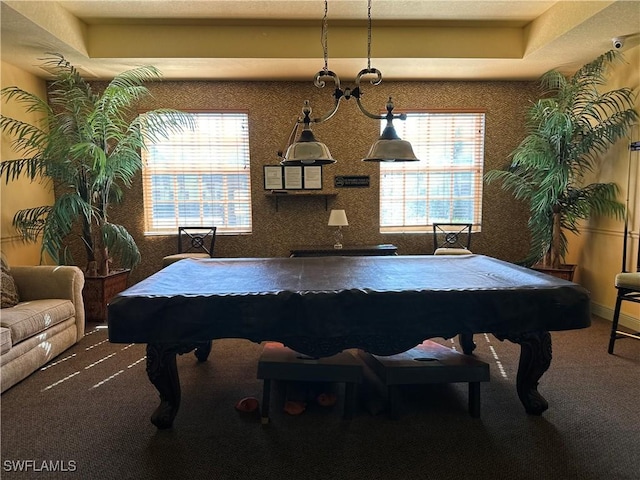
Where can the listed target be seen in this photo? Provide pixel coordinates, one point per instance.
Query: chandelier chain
(325, 40)
(369, 35)
(325, 35)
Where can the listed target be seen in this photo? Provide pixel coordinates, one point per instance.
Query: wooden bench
(278, 362)
(428, 362)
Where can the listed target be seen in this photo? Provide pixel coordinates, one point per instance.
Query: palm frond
(26, 138)
(120, 243)
(29, 222)
(160, 124)
(32, 167)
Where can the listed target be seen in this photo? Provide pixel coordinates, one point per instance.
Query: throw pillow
(9, 292)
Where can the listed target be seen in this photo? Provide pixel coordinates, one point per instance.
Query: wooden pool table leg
(535, 359)
(163, 373)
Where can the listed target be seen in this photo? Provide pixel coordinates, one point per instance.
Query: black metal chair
(454, 239)
(451, 238)
(628, 285)
(193, 242)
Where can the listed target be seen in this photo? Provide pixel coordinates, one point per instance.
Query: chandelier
(308, 151)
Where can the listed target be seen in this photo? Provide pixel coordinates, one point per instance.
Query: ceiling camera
(618, 42)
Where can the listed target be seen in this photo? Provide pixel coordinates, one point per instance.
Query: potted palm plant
(88, 145)
(569, 128)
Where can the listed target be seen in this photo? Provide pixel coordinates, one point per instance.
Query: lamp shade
(338, 218)
(390, 148)
(307, 151)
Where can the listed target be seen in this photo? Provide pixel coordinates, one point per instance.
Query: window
(445, 186)
(200, 177)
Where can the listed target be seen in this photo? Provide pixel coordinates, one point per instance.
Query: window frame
(199, 173)
(420, 144)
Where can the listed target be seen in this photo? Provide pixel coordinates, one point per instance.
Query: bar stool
(628, 285)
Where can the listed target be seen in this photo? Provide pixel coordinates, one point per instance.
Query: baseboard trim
(627, 321)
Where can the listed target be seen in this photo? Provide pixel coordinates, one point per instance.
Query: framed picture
(292, 178)
(273, 177)
(312, 178)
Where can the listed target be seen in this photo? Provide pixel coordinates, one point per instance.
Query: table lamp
(338, 218)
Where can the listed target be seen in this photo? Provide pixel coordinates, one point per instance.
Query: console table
(345, 251)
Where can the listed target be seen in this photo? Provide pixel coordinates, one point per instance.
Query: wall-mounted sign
(341, 181)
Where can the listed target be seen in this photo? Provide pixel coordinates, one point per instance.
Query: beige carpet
(86, 415)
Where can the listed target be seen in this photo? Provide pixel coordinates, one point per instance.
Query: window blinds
(200, 177)
(445, 186)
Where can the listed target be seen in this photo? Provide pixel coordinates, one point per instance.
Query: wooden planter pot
(98, 291)
(565, 271)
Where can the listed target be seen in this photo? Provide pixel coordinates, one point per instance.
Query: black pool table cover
(343, 300)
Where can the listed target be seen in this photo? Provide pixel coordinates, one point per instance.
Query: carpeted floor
(87, 414)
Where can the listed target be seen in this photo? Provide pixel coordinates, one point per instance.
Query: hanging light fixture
(308, 151)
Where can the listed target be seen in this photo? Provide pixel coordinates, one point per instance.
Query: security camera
(618, 42)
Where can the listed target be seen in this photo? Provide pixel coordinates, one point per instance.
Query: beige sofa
(48, 319)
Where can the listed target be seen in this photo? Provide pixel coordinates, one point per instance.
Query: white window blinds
(200, 177)
(445, 186)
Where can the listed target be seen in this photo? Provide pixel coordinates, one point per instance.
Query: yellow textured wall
(598, 250)
(19, 194)
(272, 108)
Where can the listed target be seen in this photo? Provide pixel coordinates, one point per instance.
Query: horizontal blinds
(445, 186)
(200, 176)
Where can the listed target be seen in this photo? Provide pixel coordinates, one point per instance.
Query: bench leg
(474, 399)
(266, 398)
(394, 401)
(202, 351)
(466, 343)
(349, 400)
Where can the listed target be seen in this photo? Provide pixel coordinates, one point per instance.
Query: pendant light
(307, 150)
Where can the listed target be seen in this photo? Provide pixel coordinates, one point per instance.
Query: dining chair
(193, 242)
(454, 239)
(451, 238)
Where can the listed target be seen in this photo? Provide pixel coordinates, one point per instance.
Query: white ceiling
(280, 39)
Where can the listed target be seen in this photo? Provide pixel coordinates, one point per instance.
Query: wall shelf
(299, 194)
